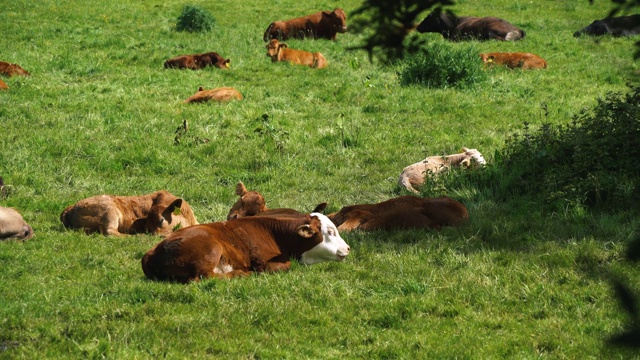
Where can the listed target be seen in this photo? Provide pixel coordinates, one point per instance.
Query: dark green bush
(442, 65)
(195, 19)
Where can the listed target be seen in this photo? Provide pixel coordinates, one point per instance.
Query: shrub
(195, 19)
(441, 65)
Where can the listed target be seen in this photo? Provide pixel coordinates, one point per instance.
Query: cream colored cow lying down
(414, 175)
(13, 226)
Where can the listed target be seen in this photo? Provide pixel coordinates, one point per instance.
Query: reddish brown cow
(404, 212)
(13, 226)
(197, 61)
(10, 70)
(221, 94)
(3, 85)
(469, 27)
(158, 213)
(323, 24)
(252, 203)
(517, 60)
(278, 51)
(241, 246)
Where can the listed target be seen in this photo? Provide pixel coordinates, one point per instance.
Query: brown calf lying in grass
(10, 70)
(197, 61)
(525, 61)
(252, 203)
(13, 226)
(221, 94)
(158, 213)
(414, 175)
(404, 212)
(280, 52)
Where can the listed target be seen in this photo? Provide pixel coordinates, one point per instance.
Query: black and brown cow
(615, 26)
(197, 61)
(456, 28)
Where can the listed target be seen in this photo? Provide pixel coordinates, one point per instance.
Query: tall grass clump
(195, 19)
(442, 65)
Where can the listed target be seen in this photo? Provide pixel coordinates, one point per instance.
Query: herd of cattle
(255, 238)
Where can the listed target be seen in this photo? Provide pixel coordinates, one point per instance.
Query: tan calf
(221, 94)
(280, 52)
(525, 61)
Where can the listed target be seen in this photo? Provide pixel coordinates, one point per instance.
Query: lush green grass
(98, 115)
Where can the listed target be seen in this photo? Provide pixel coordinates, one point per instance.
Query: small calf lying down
(323, 24)
(3, 85)
(157, 213)
(615, 26)
(414, 175)
(13, 226)
(10, 70)
(404, 212)
(279, 52)
(240, 247)
(197, 61)
(221, 94)
(252, 203)
(517, 60)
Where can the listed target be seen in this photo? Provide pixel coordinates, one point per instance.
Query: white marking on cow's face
(332, 247)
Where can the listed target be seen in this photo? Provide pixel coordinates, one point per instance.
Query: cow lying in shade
(517, 60)
(404, 212)
(414, 175)
(13, 226)
(278, 51)
(456, 28)
(323, 24)
(158, 213)
(241, 246)
(252, 203)
(197, 61)
(221, 94)
(616, 26)
(10, 70)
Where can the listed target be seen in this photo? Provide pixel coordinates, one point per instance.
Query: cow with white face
(239, 247)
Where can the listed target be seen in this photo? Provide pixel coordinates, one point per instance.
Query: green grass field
(99, 114)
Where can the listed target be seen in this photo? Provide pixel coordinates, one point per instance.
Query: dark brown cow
(252, 203)
(158, 213)
(469, 27)
(323, 24)
(516, 60)
(13, 226)
(10, 70)
(278, 51)
(221, 94)
(241, 246)
(197, 61)
(404, 212)
(615, 26)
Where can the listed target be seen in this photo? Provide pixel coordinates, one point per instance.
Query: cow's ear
(200, 88)
(240, 189)
(306, 231)
(464, 149)
(175, 205)
(139, 226)
(320, 207)
(283, 45)
(465, 163)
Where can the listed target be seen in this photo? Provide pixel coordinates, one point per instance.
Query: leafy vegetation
(195, 19)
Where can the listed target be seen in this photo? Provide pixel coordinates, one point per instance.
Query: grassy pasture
(99, 113)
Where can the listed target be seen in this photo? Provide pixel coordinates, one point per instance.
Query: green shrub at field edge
(195, 19)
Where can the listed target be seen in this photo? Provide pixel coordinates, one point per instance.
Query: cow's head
(273, 48)
(338, 19)
(249, 204)
(162, 219)
(322, 241)
(437, 22)
(214, 59)
(596, 28)
(473, 158)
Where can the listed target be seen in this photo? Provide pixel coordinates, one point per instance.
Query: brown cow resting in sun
(13, 226)
(221, 94)
(197, 61)
(8, 69)
(456, 28)
(404, 212)
(278, 51)
(252, 203)
(158, 213)
(240, 247)
(323, 24)
(516, 60)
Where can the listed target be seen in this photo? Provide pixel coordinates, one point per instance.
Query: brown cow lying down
(198, 61)
(241, 246)
(10, 70)
(404, 212)
(13, 226)
(221, 94)
(525, 61)
(279, 52)
(323, 24)
(469, 27)
(414, 175)
(158, 213)
(252, 203)
(3, 85)
(616, 26)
